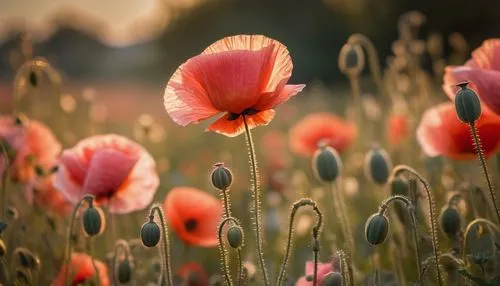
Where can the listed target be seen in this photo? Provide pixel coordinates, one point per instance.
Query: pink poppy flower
(82, 271)
(239, 75)
(42, 193)
(33, 144)
(117, 171)
(323, 270)
(441, 133)
(482, 70)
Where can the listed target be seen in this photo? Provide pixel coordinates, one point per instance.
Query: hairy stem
(316, 230)
(255, 191)
(96, 269)
(223, 251)
(340, 210)
(166, 249)
(486, 174)
(347, 277)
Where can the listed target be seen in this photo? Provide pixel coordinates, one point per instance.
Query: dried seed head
(378, 165)
(27, 259)
(123, 271)
(467, 104)
(332, 279)
(92, 221)
(376, 229)
(221, 177)
(150, 234)
(351, 59)
(450, 221)
(235, 236)
(326, 164)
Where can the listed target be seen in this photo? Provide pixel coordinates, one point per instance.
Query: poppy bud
(377, 165)
(3, 249)
(326, 164)
(399, 186)
(332, 279)
(33, 78)
(92, 221)
(235, 236)
(467, 104)
(376, 229)
(124, 271)
(27, 259)
(221, 177)
(150, 234)
(351, 59)
(450, 221)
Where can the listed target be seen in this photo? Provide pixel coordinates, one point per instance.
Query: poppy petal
(236, 127)
(487, 56)
(270, 100)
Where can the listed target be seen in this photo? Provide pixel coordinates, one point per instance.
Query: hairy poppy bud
(376, 229)
(378, 165)
(221, 177)
(400, 186)
(332, 279)
(326, 164)
(92, 221)
(467, 104)
(150, 234)
(450, 221)
(33, 78)
(351, 59)
(124, 271)
(235, 236)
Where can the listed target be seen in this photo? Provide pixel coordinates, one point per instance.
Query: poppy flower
(194, 215)
(397, 129)
(316, 128)
(42, 193)
(192, 274)
(482, 70)
(82, 271)
(440, 132)
(117, 171)
(239, 76)
(323, 270)
(31, 144)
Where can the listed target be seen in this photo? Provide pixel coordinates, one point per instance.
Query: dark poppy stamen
(190, 224)
(250, 111)
(232, 116)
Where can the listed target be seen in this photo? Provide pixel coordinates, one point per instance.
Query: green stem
(96, 269)
(255, 191)
(166, 250)
(316, 230)
(347, 275)
(480, 155)
(223, 251)
(227, 212)
(341, 214)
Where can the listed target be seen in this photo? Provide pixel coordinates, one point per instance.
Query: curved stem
(316, 230)
(432, 209)
(166, 260)
(227, 212)
(480, 155)
(223, 251)
(347, 277)
(96, 269)
(255, 190)
(340, 210)
(469, 228)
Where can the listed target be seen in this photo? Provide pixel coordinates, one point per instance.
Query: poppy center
(249, 111)
(190, 224)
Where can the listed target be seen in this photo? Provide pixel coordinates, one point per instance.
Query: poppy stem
(340, 209)
(96, 269)
(5, 175)
(256, 196)
(166, 265)
(411, 211)
(432, 212)
(69, 238)
(315, 234)
(223, 252)
(471, 225)
(480, 155)
(345, 267)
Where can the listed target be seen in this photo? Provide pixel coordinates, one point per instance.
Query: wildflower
(440, 132)
(239, 76)
(82, 271)
(194, 215)
(117, 171)
(41, 193)
(317, 128)
(397, 129)
(323, 270)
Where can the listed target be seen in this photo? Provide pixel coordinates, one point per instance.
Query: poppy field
(250, 178)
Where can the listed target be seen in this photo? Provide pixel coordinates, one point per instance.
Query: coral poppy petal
(236, 127)
(82, 270)
(487, 56)
(270, 100)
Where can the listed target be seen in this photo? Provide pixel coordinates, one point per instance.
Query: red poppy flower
(82, 271)
(482, 70)
(441, 133)
(238, 75)
(33, 144)
(316, 128)
(193, 274)
(323, 270)
(397, 129)
(194, 215)
(116, 170)
(42, 193)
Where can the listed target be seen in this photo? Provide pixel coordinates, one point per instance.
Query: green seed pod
(326, 164)
(351, 59)
(124, 271)
(3, 248)
(150, 234)
(92, 221)
(332, 279)
(235, 236)
(450, 221)
(221, 177)
(378, 166)
(467, 104)
(400, 186)
(33, 78)
(376, 229)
